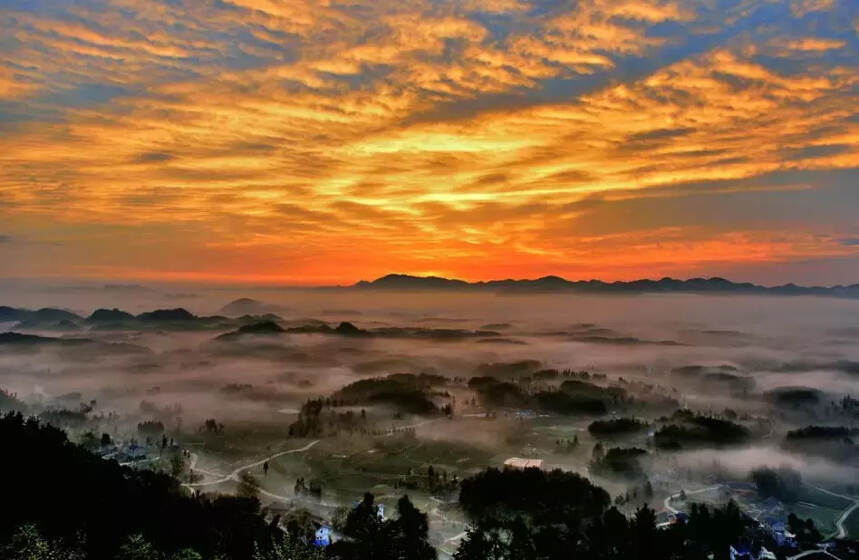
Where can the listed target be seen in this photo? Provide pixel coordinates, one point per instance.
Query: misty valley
(519, 425)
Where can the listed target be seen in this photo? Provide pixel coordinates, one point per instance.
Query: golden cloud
(411, 130)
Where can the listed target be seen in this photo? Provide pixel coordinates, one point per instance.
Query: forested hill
(72, 495)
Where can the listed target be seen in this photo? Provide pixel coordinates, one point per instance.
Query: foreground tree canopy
(72, 494)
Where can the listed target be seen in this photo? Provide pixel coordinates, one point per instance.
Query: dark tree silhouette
(102, 503)
(367, 535)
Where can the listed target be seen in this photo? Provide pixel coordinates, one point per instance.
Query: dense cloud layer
(267, 140)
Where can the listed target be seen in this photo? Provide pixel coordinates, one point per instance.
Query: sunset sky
(314, 142)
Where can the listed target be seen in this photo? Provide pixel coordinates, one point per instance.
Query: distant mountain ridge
(116, 319)
(713, 285)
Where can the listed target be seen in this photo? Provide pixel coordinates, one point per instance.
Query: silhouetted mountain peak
(52, 314)
(109, 316)
(348, 328)
(405, 281)
(178, 314)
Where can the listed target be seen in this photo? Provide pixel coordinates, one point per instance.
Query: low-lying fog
(746, 350)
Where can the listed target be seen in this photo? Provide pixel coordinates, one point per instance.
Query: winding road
(667, 502)
(839, 523)
(234, 475)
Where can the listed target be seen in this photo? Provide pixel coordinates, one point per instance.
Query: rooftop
(520, 463)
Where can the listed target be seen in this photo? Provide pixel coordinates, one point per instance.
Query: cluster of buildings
(125, 453)
(778, 531)
(741, 553)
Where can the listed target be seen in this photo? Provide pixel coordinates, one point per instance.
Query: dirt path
(234, 475)
(667, 502)
(193, 467)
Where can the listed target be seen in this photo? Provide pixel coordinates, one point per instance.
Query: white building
(520, 463)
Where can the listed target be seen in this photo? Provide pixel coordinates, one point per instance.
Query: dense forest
(533, 514)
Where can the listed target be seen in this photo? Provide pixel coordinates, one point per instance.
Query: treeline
(404, 392)
(517, 384)
(687, 429)
(615, 427)
(833, 442)
(572, 397)
(407, 392)
(820, 433)
(578, 393)
(312, 420)
(10, 401)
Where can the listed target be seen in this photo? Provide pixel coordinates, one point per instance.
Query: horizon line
(270, 282)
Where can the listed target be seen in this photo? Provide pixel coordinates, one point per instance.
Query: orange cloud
(414, 131)
(813, 44)
(802, 7)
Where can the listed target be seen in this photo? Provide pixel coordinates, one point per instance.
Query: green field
(824, 509)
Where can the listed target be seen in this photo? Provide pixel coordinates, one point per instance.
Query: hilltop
(714, 285)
